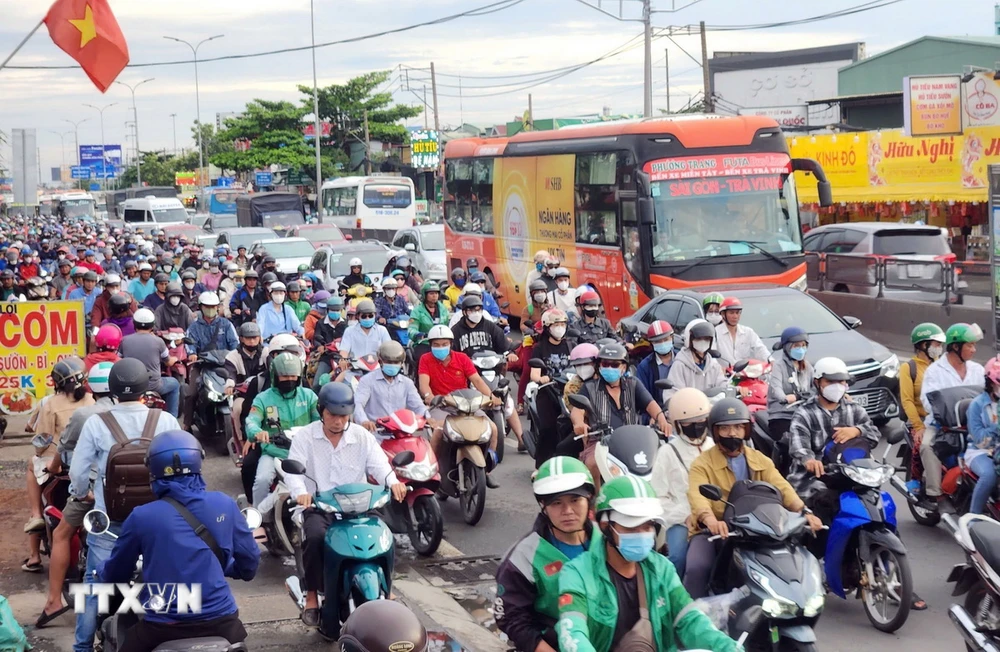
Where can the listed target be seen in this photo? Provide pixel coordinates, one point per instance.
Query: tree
(157, 169)
(211, 140)
(344, 105)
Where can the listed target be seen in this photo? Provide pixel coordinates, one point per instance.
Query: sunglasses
(365, 315)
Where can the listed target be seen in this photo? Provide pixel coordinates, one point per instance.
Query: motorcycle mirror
(503, 383)
(582, 402)
(740, 366)
(663, 384)
(536, 363)
(294, 467)
(96, 522)
(404, 458)
(710, 491)
(895, 434)
(253, 517)
(189, 340)
(715, 353)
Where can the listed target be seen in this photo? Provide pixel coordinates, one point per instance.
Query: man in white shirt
(563, 297)
(335, 452)
(955, 368)
(735, 341)
(364, 337)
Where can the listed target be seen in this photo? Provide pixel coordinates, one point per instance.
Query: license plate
(860, 399)
(915, 271)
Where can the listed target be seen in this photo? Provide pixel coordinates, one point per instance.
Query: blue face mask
(611, 375)
(635, 546)
(798, 353)
(460, 282)
(333, 316)
(663, 348)
(441, 352)
(539, 266)
(391, 370)
(367, 322)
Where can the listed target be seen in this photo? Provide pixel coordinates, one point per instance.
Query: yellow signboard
(33, 337)
(844, 157)
(932, 105)
(895, 159)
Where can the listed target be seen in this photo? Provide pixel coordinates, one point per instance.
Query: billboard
(104, 161)
(24, 166)
(786, 116)
(932, 105)
(781, 86)
(981, 101)
(425, 149)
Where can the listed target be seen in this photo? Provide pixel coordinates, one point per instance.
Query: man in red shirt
(443, 371)
(90, 262)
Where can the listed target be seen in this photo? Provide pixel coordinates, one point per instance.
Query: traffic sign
(298, 178)
(264, 179)
(95, 186)
(80, 172)
(224, 182)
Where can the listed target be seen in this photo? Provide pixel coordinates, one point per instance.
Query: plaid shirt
(811, 429)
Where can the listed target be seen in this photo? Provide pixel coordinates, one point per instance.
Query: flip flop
(918, 603)
(45, 618)
(31, 568)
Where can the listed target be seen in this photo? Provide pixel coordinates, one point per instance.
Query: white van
(154, 210)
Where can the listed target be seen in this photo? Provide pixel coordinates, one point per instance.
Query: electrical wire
(848, 11)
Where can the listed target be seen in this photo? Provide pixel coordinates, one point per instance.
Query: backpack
(126, 481)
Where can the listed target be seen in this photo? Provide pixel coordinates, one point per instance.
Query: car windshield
(223, 222)
(289, 249)
(237, 240)
(170, 215)
(903, 242)
(282, 218)
(323, 233)
(372, 261)
(433, 240)
(769, 315)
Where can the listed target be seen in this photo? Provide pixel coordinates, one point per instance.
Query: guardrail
(943, 280)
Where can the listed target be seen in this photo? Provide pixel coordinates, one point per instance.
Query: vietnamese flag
(87, 31)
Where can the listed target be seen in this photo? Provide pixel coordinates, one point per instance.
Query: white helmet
(144, 317)
(112, 279)
(145, 267)
(355, 262)
(440, 332)
(286, 342)
(208, 299)
(472, 288)
(389, 283)
(277, 286)
(831, 369)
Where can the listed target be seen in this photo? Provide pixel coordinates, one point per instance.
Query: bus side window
(482, 188)
(596, 198)
(459, 180)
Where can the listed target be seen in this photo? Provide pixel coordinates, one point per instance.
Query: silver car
(425, 246)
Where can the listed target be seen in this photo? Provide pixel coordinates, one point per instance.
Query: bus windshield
(388, 196)
(222, 203)
(77, 207)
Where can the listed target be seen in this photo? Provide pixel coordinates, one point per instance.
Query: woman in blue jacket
(984, 438)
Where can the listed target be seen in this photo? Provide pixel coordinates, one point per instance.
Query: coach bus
(633, 207)
(369, 207)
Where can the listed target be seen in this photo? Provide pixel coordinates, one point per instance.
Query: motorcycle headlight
(890, 366)
(799, 284)
(487, 433)
(489, 375)
(418, 471)
(869, 477)
(814, 605)
(404, 323)
(453, 435)
(775, 606)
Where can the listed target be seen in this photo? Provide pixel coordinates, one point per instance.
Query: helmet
(714, 297)
(440, 332)
(143, 318)
(831, 369)
(559, 476)
(161, 278)
(294, 286)
(471, 262)
(128, 379)
(583, 353)
(334, 302)
(698, 328)
(629, 501)
(119, 304)
(208, 299)
(659, 331)
(397, 272)
(320, 297)
(793, 334)
(112, 279)
(731, 303)
(561, 272)
(589, 298)
(189, 275)
(285, 342)
(613, 351)
(391, 351)
(173, 453)
(428, 286)
(252, 273)
(145, 267)
(97, 379)
(553, 316)
(403, 262)
(355, 262)
(268, 259)
(458, 272)
(389, 283)
(302, 268)
(477, 277)
(472, 300)
(249, 329)
(91, 275)
(382, 625)
(267, 278)
(337, 398)
(728, 411)
(173, 290)
(538, 285)
(473, 288)
(109, 337)
(366, 306)
(67, 373)
(688, 404)
(962, 333)
(285, 363)
(277, 286)
(926, 331)
(993, 369)
(232, 268)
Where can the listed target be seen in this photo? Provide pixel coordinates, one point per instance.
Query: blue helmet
(793, 334)
(336, 398)
(174, 453)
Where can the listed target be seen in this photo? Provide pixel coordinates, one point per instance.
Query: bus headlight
(799, 284)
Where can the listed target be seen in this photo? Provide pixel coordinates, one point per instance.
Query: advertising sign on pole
(981, 100)
(103, 162)
(80, 172)
(263, 179)
(932, 105)
(425, 150)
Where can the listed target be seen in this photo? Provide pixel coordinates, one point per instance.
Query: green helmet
(714, 297)
(304, 267)
(629, 501)
(428, 286)
(285, 364)
(562, 475)
(926, 331)
(962, 333)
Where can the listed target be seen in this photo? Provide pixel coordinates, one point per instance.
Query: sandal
(520, 408)
(917, 603)
(34, 525)
(45, 618)
(310, 618)
(31, 568)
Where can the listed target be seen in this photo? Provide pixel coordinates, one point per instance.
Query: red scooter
(419, 516)
(750, 376)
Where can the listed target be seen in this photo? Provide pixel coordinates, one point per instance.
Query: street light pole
(135, 116)
(104, 156)
(173, 119)
(319, 131)
(76, 136)
(62, 146)
(197, 97)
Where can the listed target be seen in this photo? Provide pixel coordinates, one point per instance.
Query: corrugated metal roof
(860, 96)
(990, 41)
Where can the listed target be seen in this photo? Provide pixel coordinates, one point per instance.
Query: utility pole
(104, 146)
(434, 92)
(531, 115)
(173, 118)
(368, 147)
(647, 76)
(197, 102)
(135, 115)
(666, 67)
(76, 136)
(706, 79)
(319, 130)
(425, 106)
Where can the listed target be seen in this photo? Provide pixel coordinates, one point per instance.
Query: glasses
(610, 364)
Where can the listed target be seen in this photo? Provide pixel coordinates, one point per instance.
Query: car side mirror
(663, 384)
(293, 467)
(581, 402)
(410, 246)
(646, 214)
(536, 363)
(404, 458)
(852, 322)
(710, 491)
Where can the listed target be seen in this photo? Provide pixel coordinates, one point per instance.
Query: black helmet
(338, 398)
(67, 373)
(382, 626)
(728, 411)
(471, 301)
(128, 379)
(249, 329)
(268, 278)
(702, 329)
(119, 304)
(613, 351)
(269, 260)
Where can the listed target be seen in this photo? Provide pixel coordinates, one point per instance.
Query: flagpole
(21, 44)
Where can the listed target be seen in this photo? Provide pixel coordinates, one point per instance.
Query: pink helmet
(993, 370)
(583, 353)
(109, 337)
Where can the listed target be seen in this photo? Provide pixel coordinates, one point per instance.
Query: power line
(848, 11)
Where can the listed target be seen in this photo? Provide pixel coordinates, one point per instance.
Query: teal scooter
(359, 549)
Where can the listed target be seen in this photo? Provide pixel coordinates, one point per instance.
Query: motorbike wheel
(501, 425)
(924, 516)
(889, 593)
(474, 499)
(974, 602)
(425, 535)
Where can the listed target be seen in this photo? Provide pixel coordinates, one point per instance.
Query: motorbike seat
(962, 412)
(985, 535)
(201, 644)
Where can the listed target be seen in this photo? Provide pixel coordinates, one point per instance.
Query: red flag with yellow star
(87, 31)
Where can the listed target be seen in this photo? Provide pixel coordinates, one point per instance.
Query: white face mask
(562, 285)
(701, 345)
(189, 284)
(539, 297)
(935, 351)
(834, 392)
(713, 318)
(557, 331)
(585, 372)
(114, 291)
(474, 316)
(390, 292)
(278, 297)
(174, 301)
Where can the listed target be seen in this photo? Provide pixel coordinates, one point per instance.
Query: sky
(481, 61)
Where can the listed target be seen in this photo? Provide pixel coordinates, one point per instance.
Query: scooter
(174, 339)
(544, 405)
(353, 572)
(213, 407)
(276, 508)
(399, 328)
(419, 517)
(467, 460)
(626, 450)
(493, 367)
(978, 579)
(111, 630)
(750, 376)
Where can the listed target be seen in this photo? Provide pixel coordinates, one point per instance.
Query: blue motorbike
(358, 549)
(863, 551)
(398, 328)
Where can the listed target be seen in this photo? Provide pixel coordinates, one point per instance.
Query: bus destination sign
(722, 165)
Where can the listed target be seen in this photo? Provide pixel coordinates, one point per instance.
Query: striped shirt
(812, 427)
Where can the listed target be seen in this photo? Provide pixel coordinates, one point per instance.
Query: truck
(278, 211)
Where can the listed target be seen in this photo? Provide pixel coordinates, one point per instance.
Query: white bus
(74, 205)
(369, 207)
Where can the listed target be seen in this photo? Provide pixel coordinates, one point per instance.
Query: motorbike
(111, 629)
(766, 553)
(466, 440)
(213, 407)
(978, 620)
(174, 339)
(276, 508)
(493, 367)
(398, 328)
(353, 574)
(359, 367)
(545, 407)
(626, 450)
(419, 517)
(55, 494)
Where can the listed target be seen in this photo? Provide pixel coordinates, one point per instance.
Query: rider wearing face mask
(710, 304)
(620, 595)
(790, 381)
(582, 367)
(454, 291)
(728, 462)
(694, 366)
(564, 296)
(246, 362)
(591, 326)
(928, 346)
(656, 365)
(552, 347)
(173, 312)
(275, 317)
(101, 310)
(537, 305)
